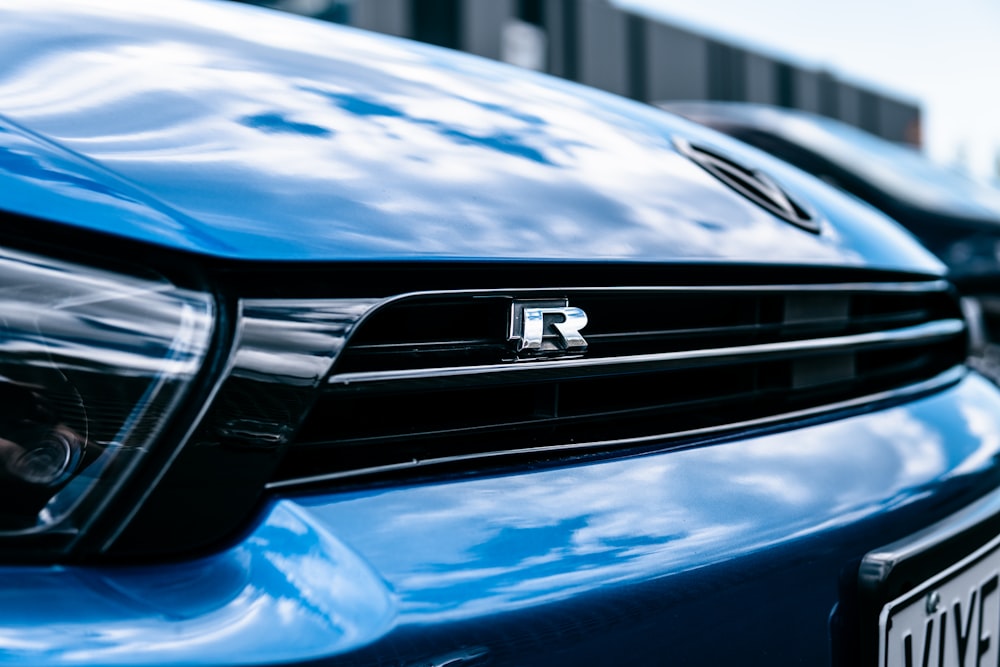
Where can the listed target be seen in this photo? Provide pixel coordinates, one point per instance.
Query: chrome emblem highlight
(547, 327)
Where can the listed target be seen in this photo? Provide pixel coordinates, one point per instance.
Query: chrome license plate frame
(954, 558)
(950, 620)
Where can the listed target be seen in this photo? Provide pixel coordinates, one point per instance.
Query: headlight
(92, 364)
(973, 255)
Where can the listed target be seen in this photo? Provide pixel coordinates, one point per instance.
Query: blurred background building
(601, 45)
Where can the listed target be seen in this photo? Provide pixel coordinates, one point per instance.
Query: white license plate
(949, 620)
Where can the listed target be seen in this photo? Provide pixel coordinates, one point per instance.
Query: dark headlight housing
(92, 366)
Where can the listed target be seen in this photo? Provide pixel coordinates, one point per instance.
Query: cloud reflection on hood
(344, 145)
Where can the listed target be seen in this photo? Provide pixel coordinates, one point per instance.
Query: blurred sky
(944, 55)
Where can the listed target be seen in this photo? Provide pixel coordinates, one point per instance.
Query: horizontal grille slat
(424, 332)
(659, 363)
(534, 371)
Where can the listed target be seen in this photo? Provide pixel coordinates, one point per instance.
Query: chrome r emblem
(548, 327)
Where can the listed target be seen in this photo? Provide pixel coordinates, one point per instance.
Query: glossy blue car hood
(237, 132)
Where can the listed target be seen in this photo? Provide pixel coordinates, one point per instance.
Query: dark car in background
(322, 347)
(956, 217)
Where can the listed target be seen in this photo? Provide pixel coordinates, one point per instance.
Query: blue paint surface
(289, 590)
(238, 133)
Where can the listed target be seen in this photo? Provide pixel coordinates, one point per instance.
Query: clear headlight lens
(92, 364)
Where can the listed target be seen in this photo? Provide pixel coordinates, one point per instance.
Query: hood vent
(753, 184)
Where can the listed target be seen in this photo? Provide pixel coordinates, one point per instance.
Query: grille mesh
(433, 376)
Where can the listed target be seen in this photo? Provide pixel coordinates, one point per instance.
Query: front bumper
(744, 550)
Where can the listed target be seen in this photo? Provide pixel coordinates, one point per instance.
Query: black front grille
(429, 377)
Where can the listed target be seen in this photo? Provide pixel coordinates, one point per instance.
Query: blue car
(322, 347)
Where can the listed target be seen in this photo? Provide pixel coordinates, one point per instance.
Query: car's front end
(326, 347)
